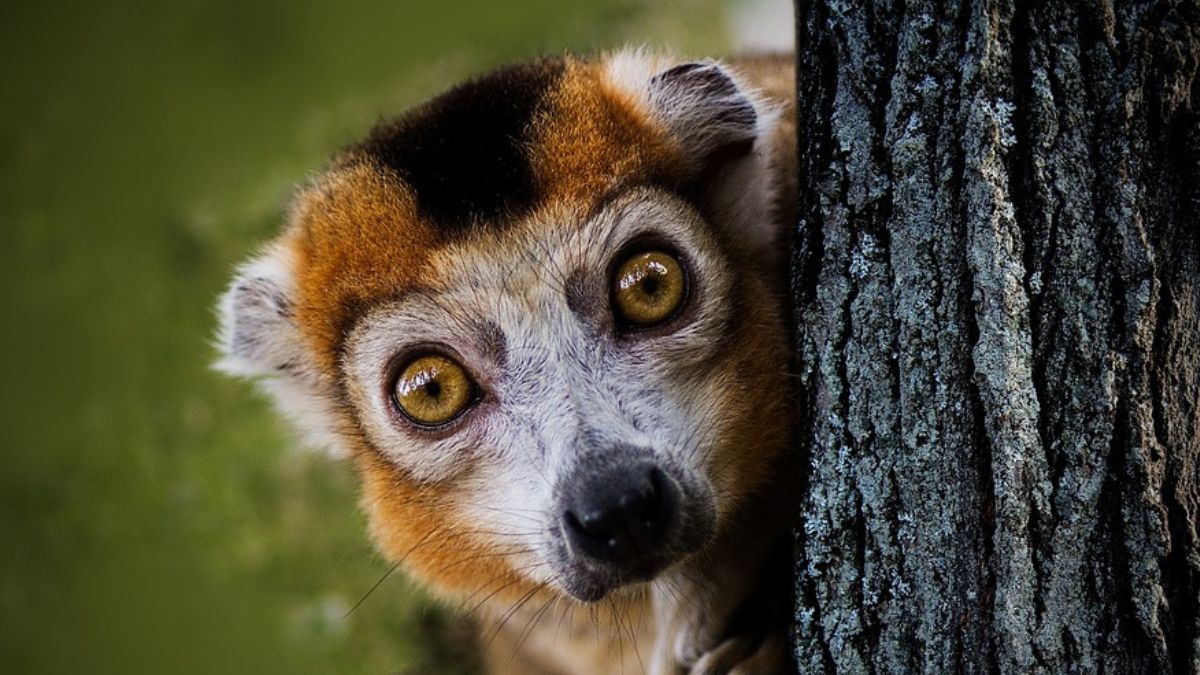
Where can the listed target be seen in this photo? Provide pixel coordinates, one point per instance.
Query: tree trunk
(997, 300)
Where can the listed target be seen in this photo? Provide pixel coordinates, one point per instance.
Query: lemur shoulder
(543, 313)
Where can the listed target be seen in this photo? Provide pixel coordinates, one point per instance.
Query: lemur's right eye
(649, 288)
(432, 389)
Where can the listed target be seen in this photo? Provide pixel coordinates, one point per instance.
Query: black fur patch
(465, 152)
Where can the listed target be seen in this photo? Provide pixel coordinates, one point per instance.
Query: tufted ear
(705, 110)
(259, 339)
(258, 336)
(727, 131)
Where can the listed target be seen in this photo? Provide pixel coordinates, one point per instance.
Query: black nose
(622, 516)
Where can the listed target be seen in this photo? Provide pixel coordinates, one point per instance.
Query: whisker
(389, 573)
(515, 580)
(530, 625)
(485, 556)
(507, 616)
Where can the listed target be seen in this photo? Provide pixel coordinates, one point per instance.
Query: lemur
(544, 315)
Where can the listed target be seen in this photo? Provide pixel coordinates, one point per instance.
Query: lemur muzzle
(621, 516)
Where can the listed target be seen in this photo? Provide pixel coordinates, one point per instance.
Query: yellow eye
(433, 390)
(649, 288)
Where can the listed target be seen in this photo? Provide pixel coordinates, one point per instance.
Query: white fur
(248, 308)
(567, 386)
(563, 390)
(258, 338)
(743, 190)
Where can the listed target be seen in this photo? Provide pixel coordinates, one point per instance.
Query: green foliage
(154, 516)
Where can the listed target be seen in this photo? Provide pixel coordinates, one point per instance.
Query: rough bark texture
(997, 283)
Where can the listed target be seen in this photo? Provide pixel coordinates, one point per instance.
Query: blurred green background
(155, 517)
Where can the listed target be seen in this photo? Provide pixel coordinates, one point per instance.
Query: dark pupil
(650, 285)
(433, 389)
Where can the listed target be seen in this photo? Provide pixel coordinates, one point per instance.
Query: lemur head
(540, 313)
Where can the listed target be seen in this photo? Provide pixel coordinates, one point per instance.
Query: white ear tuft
(704, 105)
(727, 130)
(706, 111)
(259, 339)
(258, 335)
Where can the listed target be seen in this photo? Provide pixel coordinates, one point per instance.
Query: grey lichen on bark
(997, 300)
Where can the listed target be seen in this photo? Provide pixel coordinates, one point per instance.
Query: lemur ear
(725, 128)
(258, 336)
(259, 339)
(705, 109)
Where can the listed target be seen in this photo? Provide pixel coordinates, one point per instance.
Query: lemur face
(537, 312)
(583, 438)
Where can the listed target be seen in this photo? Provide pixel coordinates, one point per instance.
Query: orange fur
(416, 524)
(357, 238)
(592, 139)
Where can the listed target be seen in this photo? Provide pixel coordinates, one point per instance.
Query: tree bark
(997, 301)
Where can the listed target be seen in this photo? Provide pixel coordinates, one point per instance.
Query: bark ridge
(996, 276)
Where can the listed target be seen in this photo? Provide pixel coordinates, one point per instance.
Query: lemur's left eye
(432, 390)
(649, 288)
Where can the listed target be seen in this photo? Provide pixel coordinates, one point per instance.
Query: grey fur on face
(566, 385)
